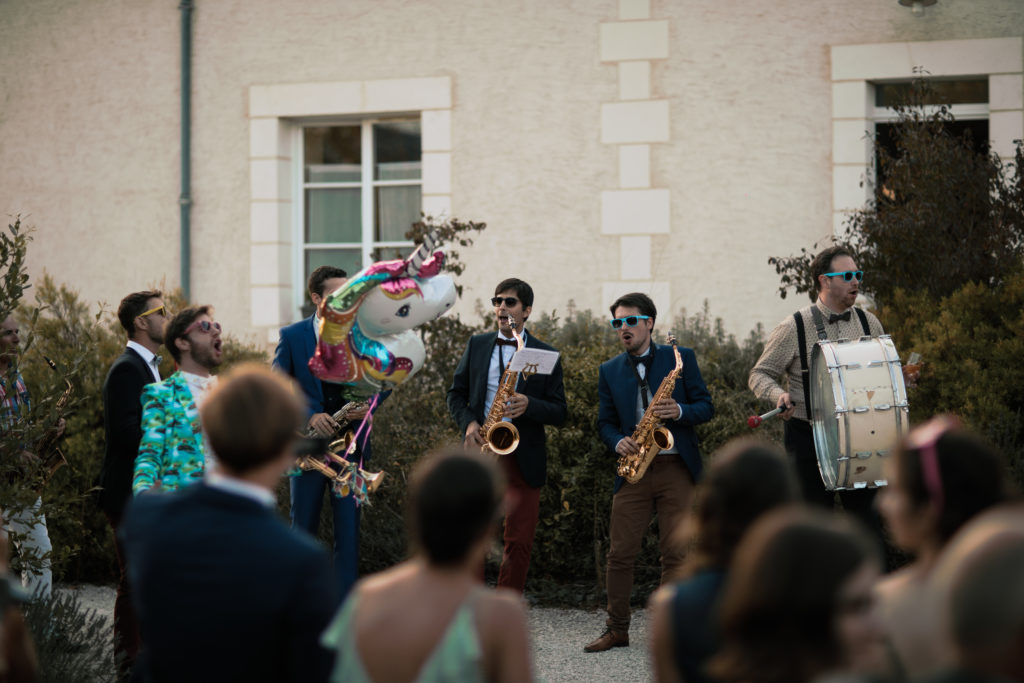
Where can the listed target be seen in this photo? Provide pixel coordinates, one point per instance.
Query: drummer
(779, 375)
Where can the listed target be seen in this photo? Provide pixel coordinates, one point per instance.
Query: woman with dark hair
(429, 618)
(797, 605)
(746, 478)
(941, 477)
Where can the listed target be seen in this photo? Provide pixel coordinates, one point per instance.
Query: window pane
(974, 91)
(349, 260)
(396, 147)
(332, 154)
(333, 215)
(397, 209)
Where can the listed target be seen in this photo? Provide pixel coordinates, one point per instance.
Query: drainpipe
(185, 200)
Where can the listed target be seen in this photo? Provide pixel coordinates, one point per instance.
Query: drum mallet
(754, 421)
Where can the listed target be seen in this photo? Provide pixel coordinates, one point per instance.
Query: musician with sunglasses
(780, 374)
(172, 452)
(626, 386)
(538, 400)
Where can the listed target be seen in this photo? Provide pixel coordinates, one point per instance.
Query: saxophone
(649, 434)
(502, 437)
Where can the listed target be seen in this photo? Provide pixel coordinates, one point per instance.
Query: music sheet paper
(534, 361)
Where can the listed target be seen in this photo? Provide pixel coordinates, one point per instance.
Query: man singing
(626, 386)
(537, 401)
(172, 453)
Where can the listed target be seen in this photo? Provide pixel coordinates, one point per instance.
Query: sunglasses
(510, 301)
(628, 321)
(161, 309)
(203, 325)
(849, 275)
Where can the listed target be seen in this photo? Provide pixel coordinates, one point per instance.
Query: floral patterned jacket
(171, 450)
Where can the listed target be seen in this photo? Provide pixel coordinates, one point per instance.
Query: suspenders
(801, 339)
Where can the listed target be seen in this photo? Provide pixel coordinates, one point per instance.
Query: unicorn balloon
(367, 341)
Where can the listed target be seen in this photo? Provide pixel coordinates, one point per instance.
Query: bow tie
(836, 317)
(645, 361)
(506, 342)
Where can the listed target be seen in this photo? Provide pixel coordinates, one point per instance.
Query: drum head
(824, 420)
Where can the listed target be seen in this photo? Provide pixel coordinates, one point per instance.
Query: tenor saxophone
(650, 435)
(502, 437)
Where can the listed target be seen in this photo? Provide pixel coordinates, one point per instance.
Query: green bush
(972, 343)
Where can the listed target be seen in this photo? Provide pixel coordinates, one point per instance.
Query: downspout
(185, 200)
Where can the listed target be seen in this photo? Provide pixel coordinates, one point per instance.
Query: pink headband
(924, 439)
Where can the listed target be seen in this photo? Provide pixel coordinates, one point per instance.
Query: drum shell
(858, 411)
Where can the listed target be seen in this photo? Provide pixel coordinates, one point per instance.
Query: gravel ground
(557, 636)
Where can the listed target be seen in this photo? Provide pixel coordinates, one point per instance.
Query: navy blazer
(296, 345)
(547, 406)
(122, 427)
(224, 590)
(617, 390)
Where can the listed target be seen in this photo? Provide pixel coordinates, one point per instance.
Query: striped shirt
(780, 359)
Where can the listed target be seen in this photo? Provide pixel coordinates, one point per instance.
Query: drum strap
(805, 373)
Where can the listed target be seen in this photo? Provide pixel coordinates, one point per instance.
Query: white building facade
(665, 146)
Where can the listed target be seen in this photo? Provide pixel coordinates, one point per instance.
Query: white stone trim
(854, 67)
(276, 113)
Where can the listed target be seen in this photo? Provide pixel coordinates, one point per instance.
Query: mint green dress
(456, 658)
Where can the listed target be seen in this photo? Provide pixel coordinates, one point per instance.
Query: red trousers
(520, 524)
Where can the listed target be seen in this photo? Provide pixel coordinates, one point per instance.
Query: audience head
(798, 600)
(979, 583)
(252, 417)
(454, 501)
(145, 312)
(942, 475)
(745, 479)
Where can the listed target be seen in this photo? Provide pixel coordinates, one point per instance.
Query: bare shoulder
(499, 612)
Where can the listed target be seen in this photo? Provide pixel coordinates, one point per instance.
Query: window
(361, 192)
(966, 99)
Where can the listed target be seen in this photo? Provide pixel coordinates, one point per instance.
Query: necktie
(836, 317)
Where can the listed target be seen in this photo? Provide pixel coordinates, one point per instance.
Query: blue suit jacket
(617, 390)
(224, 590)
(295, 347)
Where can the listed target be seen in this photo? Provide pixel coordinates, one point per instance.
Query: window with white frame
(361, 192)
(967, 99)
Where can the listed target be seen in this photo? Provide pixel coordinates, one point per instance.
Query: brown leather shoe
(608, 640)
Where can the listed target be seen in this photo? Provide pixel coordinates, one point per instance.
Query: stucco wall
(89, 132)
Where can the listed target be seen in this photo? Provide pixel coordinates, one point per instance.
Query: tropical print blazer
(171, 449)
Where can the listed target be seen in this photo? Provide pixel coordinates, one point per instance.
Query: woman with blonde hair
(429, 618)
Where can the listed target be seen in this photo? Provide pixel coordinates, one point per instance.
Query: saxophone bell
(663, 439)
(503, 438)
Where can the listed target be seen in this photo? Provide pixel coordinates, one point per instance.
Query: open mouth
(503, 319)
(216, 345)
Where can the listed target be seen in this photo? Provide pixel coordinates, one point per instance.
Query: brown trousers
(666, 489)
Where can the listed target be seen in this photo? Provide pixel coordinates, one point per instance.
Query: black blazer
(547, 405)
(122, 426)
(224, 590)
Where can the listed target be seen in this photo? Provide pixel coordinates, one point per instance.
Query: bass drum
(858, 411)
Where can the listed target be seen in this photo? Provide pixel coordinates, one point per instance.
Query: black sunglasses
(849, 275)
(510, 301)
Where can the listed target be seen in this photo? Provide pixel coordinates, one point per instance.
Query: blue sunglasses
(628, 321)
(849, 275)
